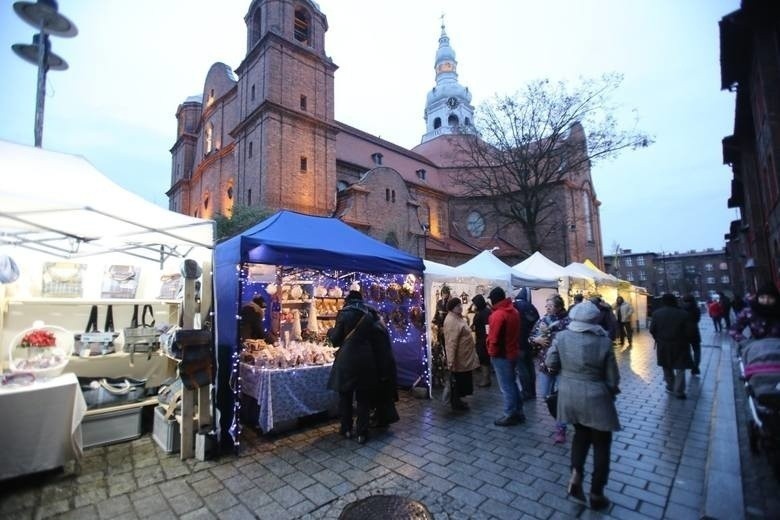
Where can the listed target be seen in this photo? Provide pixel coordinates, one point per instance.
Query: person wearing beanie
(503, 344)
(526, 372)
(674, 333)
(589, 379)
(479, 326)
(762, 316)
(460, 354)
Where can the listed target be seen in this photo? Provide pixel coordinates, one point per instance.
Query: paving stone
(185, 502)
(287, 496)
(114, 506)
(199, 514)
(151, 506)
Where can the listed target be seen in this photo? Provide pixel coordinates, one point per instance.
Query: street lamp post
(43, 16)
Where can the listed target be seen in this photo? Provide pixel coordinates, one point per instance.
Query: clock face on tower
(445, 66)
(452, 102)
(475, 223)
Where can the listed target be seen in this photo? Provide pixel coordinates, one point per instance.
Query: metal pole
(43, 40)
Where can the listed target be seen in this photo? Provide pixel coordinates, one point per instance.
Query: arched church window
(467, 121)
(255, 28)
(436, 123)
(453, 120)
(586, 209)
(209, 137)
(302, 25)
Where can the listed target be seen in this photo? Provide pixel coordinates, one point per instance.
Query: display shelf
(120, 407)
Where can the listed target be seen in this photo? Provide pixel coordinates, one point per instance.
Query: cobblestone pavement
(458, 464)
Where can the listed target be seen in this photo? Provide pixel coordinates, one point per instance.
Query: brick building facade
(265, 135)
(750, 65)
(700, 273)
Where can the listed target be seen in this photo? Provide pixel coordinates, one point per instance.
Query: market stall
(476, 276)
(84, 245)
(300, 268)
(569, 283)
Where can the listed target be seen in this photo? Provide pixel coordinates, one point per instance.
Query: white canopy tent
(570, 283)
(55, 207)
(491, 267)
(62, 205)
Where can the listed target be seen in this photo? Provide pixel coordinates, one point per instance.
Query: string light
(394, 296)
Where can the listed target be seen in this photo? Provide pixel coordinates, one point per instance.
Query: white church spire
(448, 107)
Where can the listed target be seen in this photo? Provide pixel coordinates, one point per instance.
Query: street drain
(389, 507)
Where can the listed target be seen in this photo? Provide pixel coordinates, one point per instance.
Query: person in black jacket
(690, 306)
(481, 314)
(355, 373)
(672, 330)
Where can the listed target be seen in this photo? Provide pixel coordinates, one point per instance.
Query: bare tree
(530, 143)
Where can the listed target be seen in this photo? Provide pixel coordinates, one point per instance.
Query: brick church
(265, 135)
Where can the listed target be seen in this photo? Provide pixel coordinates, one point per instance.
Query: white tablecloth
(41, 425)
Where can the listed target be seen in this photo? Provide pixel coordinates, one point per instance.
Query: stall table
(285, 395)
(42, 425)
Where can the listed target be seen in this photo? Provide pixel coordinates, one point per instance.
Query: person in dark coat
(690, 306)
(526, 372)
(589, 380)
(355, 373)
(672, 330)
(608, 321)
(252, 316)
(480, 321)
(383, 411)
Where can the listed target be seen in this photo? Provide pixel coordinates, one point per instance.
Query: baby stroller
(760, 367)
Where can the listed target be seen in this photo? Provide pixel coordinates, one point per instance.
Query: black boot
(575, 486)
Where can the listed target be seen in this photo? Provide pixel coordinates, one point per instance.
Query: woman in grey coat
(588, 384)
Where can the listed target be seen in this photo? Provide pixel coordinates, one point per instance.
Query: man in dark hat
(503, 345)
(673, 333)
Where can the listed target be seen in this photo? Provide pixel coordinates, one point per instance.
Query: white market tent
(62, 205)
(56, 206)
(489, 266)
(539, 265)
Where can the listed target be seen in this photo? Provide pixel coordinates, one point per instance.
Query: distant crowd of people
(567, 356)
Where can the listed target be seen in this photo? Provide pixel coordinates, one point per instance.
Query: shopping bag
(446, 393)
(92, 342)
(552, 403)
(143, 336)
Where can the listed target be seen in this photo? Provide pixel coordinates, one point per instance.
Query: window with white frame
(642, 276)
(711, 280)
(723, 266)
(708, 267)
(640, 260)
(628, 261)
(724, 279)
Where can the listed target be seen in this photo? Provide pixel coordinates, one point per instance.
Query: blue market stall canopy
(293, 239)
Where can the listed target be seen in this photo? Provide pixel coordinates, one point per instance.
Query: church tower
(448, 107)
(286, 136)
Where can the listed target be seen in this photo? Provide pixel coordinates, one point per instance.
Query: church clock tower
(286, 136)
(448, 108)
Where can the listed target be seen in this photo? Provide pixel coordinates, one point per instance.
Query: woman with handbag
(355, 374)
(588, 384)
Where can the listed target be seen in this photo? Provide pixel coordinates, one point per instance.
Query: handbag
(92, 342)
(62, 280)
(120, 281)
(552, 404)
(195, 368)
(143, 337)
(100, 392)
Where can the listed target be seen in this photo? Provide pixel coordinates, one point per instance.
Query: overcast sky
(133, 62)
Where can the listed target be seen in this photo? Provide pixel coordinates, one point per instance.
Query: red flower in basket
(39, 338)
